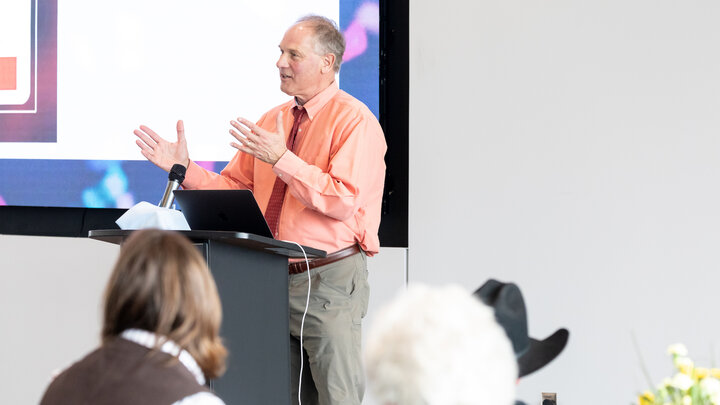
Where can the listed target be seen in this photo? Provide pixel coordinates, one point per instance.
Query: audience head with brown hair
(161, 284)
(160, 334)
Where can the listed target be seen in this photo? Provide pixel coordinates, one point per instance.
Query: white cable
(302, 322)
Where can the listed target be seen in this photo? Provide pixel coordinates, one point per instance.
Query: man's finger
(149, 157)
(251, 125)
(143, 146)
(155, 137)
(148, 142)
(242, 148)
(238, 146)
(245, 141)
(243, 129)
(140, 133)
(237, 136)
(180, 127)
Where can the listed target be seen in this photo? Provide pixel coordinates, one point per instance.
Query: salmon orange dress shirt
(334, 176)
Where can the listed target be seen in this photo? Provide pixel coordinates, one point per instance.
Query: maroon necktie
(272, 213)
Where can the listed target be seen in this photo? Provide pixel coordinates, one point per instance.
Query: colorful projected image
(83, 183)
(28, 71)
(104, 169)
(360, 73)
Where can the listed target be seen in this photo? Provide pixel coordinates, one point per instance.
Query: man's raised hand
(160, 152)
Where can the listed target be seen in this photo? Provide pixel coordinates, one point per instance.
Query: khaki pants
(332, 363)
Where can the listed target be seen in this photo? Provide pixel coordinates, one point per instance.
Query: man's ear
(328, 61)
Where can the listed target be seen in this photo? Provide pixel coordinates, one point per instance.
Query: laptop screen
(222, 210)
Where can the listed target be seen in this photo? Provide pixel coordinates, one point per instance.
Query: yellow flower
(688, 383)
(684, 365)
(647, 398)
(700, 373)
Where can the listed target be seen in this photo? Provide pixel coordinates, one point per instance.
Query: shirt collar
(149, 340)
(315, 104)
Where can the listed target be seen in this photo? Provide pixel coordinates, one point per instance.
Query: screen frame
(393, 111)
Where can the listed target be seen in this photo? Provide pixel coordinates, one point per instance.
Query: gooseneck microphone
(175, 178)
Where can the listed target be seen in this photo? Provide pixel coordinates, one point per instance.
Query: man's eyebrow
(296, 50)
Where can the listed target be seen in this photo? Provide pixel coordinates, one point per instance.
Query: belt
(301, 267)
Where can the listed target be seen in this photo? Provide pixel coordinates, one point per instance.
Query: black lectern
(251, 274)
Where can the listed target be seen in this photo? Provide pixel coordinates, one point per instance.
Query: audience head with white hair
(439, 346)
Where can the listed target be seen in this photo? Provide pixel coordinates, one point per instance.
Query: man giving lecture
(316, 167)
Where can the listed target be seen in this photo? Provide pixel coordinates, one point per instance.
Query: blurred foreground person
(439, 346)
(160, 338)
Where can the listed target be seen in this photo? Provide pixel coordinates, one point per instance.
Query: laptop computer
(222, 210)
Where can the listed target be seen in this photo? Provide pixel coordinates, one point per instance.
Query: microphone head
(177, 173)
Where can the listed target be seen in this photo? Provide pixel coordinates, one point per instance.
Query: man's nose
(282, 61)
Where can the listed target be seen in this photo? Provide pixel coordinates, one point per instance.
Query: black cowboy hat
(507, 301)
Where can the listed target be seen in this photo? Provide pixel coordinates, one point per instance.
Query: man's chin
(285, 89)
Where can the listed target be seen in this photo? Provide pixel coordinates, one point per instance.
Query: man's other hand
(261, 143)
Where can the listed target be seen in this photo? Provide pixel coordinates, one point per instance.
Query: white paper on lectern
(145, 215)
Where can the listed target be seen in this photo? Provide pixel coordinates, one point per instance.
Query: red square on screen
(8, 73)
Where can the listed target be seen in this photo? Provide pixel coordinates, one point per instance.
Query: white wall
(572, 147)
(50, 295)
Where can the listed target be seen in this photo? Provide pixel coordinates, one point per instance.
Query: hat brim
(542, 352)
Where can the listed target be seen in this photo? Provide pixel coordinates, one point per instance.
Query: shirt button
(280, 175)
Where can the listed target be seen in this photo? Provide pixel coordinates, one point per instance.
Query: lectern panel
(253, 288)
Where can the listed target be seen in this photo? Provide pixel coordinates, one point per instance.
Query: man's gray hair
(328, 38)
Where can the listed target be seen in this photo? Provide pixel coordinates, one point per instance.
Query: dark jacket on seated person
(123, 372)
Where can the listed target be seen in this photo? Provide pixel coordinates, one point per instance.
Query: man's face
(303, 73)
